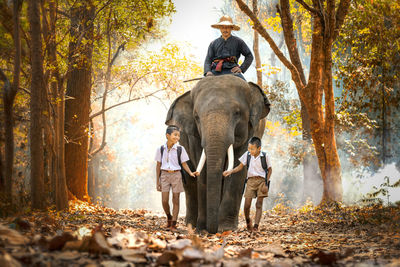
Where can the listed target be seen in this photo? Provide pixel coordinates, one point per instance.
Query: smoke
(135, 132)
(357, 185)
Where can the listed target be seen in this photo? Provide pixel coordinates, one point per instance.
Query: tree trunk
(48, 118)
(8, 98)
(59, 184)
(77, 109)
(36, 128)
(256, 49)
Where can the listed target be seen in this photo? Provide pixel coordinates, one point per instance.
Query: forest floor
(90, 235)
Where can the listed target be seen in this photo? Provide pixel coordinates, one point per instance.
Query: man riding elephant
(224, 52)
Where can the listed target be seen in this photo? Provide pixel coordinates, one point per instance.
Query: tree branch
(290, 40)
(124, 102)
(341, 13)
(307, 7)
(261, 30)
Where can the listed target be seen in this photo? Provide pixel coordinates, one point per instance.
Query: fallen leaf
(58, 242)
(67, 255)
(96, 244)
(180, 244)
(245, 253)
(324, 258)
(191, 254)
(73, 245)
(12, 237)
(6, 260)
(167, 257)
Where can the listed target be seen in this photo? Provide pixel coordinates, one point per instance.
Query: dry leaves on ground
(90, 235)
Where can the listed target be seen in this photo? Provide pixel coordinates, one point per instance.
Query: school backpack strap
(265, 166)
(179, 152)
(162, 151)
(248, 160)
(247, 165)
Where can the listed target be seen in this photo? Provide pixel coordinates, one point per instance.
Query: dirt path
(94, 236)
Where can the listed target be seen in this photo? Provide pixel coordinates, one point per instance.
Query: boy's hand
(196, 174)
(158, 187)
(226, 173)
(193, 174)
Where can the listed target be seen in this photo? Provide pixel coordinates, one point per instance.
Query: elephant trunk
(216, 154)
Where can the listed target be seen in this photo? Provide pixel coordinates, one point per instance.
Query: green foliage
(374, 197)
(367, 60)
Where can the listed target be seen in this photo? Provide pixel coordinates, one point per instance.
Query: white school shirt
(255, 166)
(169, 162)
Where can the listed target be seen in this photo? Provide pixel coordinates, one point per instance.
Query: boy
(257, 178)
(168, 173)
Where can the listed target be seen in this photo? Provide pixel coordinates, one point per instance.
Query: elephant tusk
(201, 162)
(230, 158)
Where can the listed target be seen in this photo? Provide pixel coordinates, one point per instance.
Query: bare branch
(125, 102)
(307, 7)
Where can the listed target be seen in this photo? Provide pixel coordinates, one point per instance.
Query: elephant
(217, 116)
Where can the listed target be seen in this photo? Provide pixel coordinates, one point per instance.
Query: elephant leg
(202, 200)
(191, 200)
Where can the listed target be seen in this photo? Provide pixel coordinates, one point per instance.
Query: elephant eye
(196, 117)
(237, 113)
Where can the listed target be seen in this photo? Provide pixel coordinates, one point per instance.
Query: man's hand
(236, 69)
(227, 173)
(196, 173)
(158, 187)
(209, 74)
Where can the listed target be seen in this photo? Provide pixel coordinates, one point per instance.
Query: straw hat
(226, 21)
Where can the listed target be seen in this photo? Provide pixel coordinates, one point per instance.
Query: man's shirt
(169, 161)
(255, 166)
(233, 46)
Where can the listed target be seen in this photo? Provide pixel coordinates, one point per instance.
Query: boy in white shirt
(168, 173)
(257, 179)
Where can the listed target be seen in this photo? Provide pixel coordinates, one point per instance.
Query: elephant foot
(229, 223)
(190, 221)
(227, 227)
(201, 226)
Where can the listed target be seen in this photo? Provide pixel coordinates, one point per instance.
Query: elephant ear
(181, 114)
(260, 105)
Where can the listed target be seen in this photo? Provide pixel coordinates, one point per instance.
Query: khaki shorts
(171, 179)
(253, 187)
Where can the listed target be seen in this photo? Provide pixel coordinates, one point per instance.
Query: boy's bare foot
(173, 226)
(255, 228)
(169, 220)
(249, 226)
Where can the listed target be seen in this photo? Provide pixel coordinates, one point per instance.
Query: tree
(302, 32)
(37, 87)
(327, 19)
(9, 94)
(77, 109)
(129, 22)
(367, 64)
(55, 109)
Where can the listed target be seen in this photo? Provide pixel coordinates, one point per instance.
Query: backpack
(179, 153)
(264, 164)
